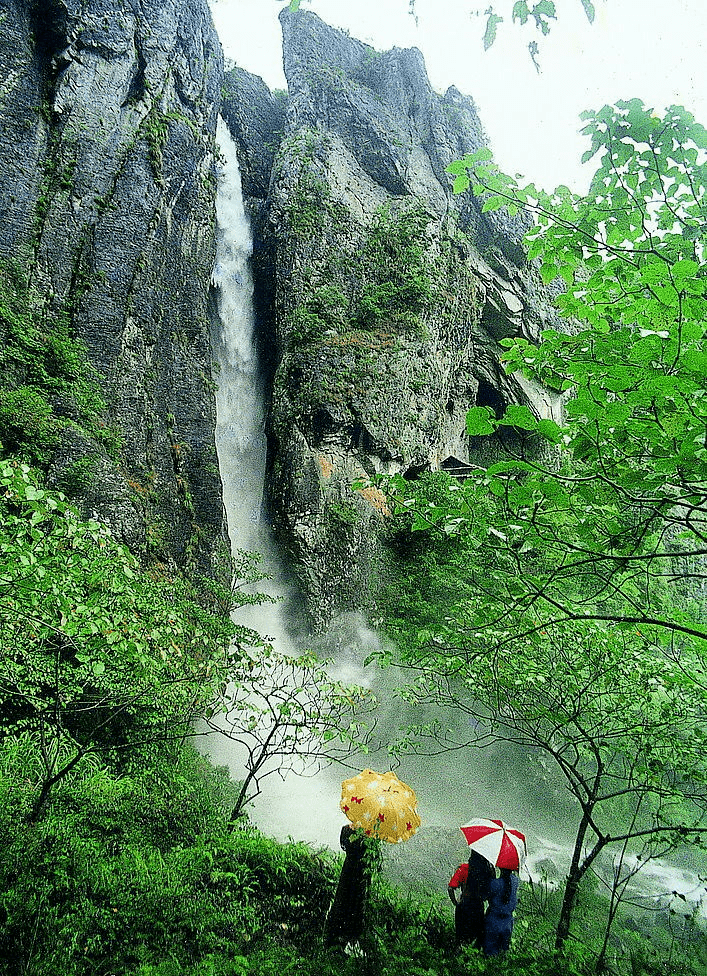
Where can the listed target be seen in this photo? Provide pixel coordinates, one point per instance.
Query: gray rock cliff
(107, 187)
(381, 298)
(388, 295)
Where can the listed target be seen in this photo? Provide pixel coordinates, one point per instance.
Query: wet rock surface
(107, 186)
(385, 297)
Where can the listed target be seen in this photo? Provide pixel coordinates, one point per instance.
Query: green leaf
(683, 270)
(548, 271)
(480, 156)
(478, 422)
(491, 23)
(494, 202)
(518, 415)
(550, 430)
(545, 8)
(520, 11)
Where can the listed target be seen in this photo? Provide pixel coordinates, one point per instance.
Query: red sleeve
(459, 876)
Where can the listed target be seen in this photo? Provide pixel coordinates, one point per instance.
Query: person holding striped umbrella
(467, 890)
(504, 847)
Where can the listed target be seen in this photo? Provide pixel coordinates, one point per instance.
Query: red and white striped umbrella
(497, 842)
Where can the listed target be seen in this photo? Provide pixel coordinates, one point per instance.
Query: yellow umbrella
(380, 805)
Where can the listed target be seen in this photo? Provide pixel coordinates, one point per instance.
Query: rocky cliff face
(388, 296)
(107, 127)
(380, 298)
(389, 299)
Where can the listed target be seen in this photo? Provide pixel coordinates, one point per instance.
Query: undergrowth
(143, 875)
(46, 381)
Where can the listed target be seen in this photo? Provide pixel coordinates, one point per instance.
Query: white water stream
(240, 428)
(451, 789)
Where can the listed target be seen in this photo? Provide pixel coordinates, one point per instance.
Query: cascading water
(451, 789)
(240, 428)
(241, 446)
(240, 404)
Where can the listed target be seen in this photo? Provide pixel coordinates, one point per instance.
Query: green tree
(98, 657)
(286, 713)
(622, 725)
(105, 661)
(618, 511)
(583, 556)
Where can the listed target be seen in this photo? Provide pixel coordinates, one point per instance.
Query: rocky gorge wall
(380, 297)
(107, 140)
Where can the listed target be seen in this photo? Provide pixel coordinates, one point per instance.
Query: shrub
(46, 380)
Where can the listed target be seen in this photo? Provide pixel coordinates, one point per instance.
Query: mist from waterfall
(496, 781)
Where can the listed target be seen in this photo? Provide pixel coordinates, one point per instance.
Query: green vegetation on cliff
(401, 288)
(403, 275)
(46, 381)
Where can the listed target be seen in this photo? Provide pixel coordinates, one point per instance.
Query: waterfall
(240, 402)
(451, 789)
(306, 808)
(241, 447)
(240, 426)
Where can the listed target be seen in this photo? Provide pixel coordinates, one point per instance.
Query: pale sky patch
(648, 49)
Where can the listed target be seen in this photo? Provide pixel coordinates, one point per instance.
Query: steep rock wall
(107, 188)
(388, 296)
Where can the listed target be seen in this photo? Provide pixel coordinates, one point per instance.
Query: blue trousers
(497, 933)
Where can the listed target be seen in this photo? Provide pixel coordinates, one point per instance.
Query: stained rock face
(107, 188)
(388, 297)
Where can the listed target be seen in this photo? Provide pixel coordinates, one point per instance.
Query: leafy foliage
(288, 714)
(98, 656)
(101, 657)
(624, 496)
(572, 576)
(143, 870)
(143, 875)
(538, 15)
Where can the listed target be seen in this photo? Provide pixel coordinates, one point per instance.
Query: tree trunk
(578, 868)
(574, 877)
(48, 785)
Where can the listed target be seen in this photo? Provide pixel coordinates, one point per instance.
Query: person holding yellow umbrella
(379, 807)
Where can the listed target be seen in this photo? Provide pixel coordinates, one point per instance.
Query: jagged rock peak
(381, 295)
(383, 108)
(398, 76)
